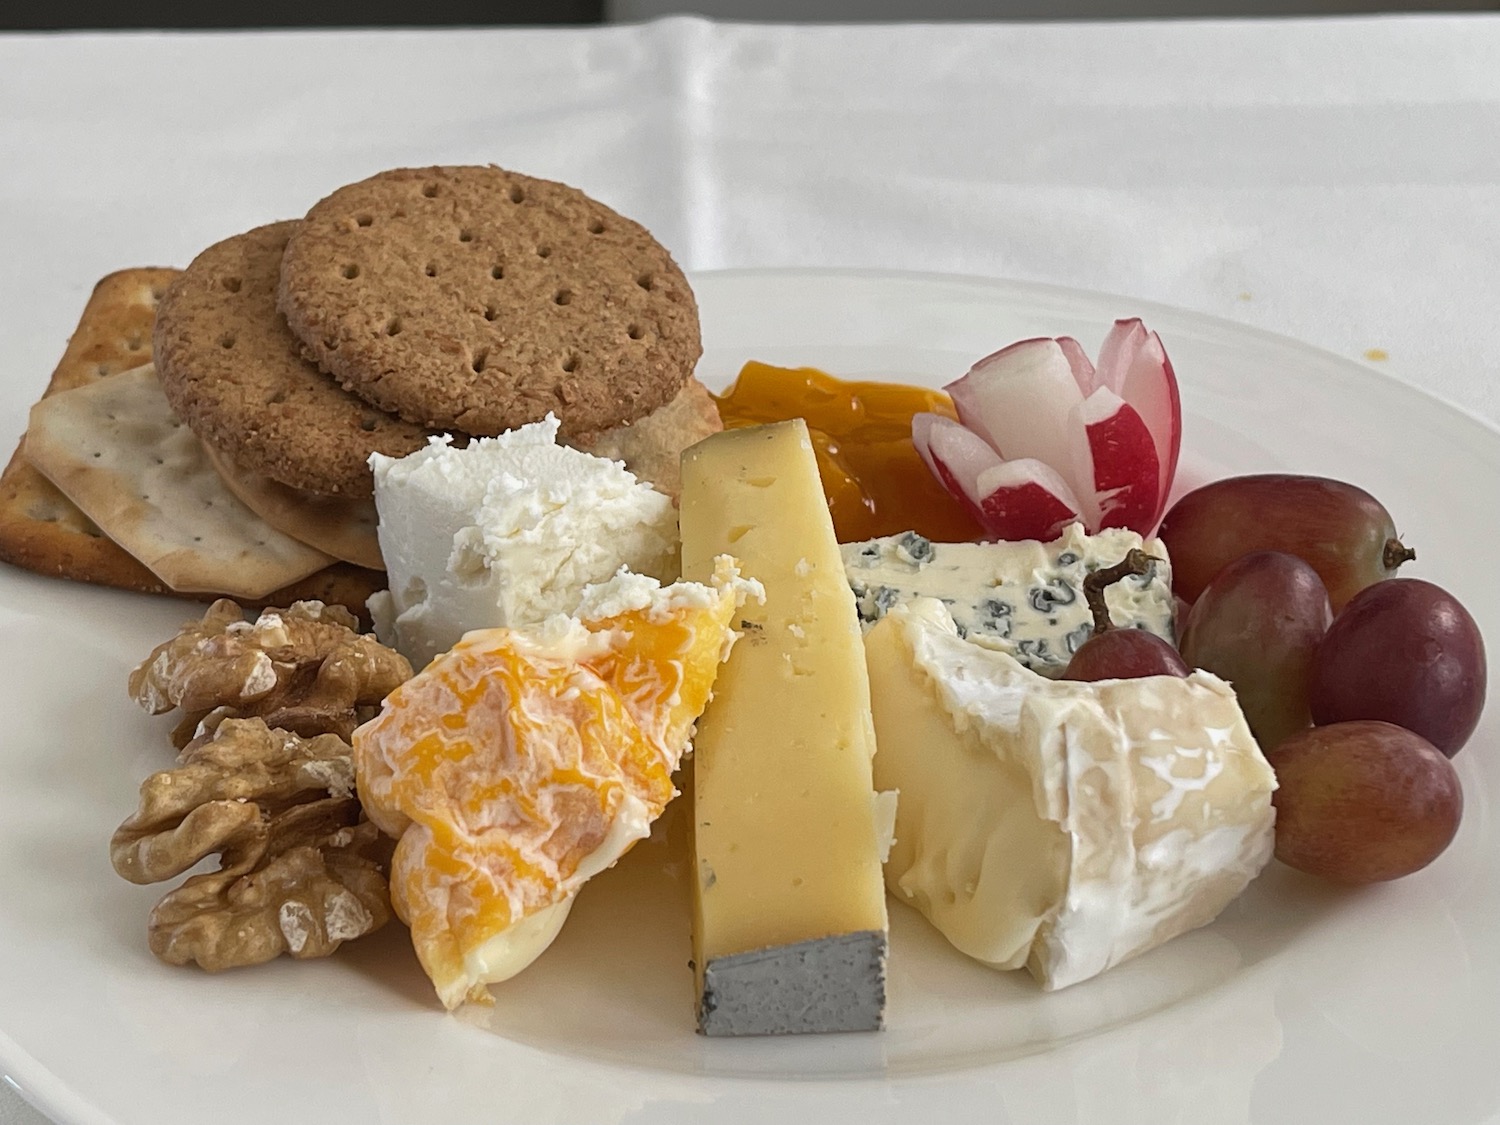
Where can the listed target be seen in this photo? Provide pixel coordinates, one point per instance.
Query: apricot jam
(876, 482)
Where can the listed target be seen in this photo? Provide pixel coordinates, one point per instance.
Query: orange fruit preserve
(876, 482)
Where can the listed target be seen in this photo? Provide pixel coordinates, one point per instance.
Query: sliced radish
(1045, 437)
(1134, 365)
(1083, 371)
(1025, 499)
(1114, 452)
(1021, 499)
(1019, 399)
(956, 456)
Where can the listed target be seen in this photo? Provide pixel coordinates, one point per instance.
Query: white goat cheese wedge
(506, 532)
(1023, 598)
(1058, 825)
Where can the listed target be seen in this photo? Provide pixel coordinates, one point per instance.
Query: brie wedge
(1058, 825)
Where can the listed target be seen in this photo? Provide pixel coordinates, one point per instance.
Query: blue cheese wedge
(1024, 599)
(1057, 825)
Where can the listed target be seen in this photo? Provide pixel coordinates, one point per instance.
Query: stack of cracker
(460, 300)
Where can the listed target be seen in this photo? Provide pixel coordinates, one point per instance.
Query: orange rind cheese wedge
(524, 761)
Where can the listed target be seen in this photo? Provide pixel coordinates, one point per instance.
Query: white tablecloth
(1338, 181)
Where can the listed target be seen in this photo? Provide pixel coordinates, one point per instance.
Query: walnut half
(300, 872)
(303, 669)
(315, 888)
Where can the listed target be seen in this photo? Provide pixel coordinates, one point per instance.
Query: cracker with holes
(118, 452)
(41, 530)
(477, 299)
(235, 374)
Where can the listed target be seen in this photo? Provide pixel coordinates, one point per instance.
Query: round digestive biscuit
(234, 372)
(479, 299)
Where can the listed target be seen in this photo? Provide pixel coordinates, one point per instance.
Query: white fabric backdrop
(1338, 181)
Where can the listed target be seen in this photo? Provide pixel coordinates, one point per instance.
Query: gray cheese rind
(827, 984)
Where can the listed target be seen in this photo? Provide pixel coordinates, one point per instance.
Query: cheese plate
(1300, 1004)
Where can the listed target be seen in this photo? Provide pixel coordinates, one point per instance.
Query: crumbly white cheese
(1025, 598)
(634, 593)
(1064, 826)
(296, 922)
(260, 679)
(507, 531)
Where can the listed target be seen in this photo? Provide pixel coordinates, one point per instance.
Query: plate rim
(1143, 305)
(51, 1094)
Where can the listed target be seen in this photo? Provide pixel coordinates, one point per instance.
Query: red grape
(1406, 652)
(1257, 625)
(1120, 654)
(1124, 654)
(1363, 802)
(1343, 532)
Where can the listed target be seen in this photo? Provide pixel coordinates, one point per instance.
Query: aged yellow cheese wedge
(789, 929)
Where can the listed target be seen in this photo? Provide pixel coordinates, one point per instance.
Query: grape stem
(1396, 553)
(1136, 561)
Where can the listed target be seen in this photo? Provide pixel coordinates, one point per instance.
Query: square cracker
(40, 528)
(117, 451)
(43, 531)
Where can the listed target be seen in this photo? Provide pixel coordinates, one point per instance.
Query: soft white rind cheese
(507, 531)
(1024, 598)
(1064, 826)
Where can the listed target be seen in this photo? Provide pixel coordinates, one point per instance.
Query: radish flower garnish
(1045, 438)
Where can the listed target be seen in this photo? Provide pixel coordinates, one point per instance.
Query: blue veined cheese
(1024, 598)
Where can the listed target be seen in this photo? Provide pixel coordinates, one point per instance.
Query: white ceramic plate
(1301, 1004)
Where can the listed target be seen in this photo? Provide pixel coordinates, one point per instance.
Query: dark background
(41, 15)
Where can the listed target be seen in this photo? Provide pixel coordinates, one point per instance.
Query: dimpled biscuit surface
(478, 299)
(236, 375)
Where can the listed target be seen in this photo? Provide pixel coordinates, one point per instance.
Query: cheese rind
(1024, 599)
(521, 763)
(789, 989)
(1065, 826)
(786, 821)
